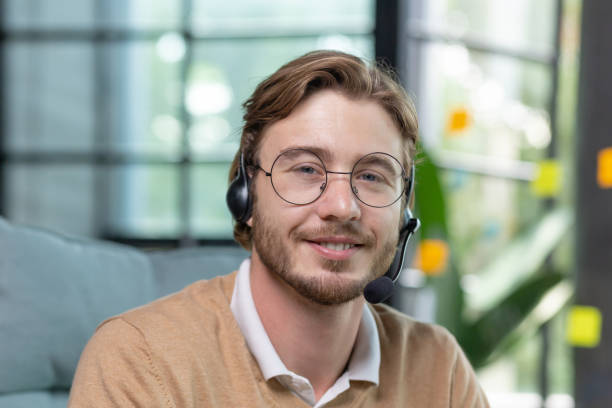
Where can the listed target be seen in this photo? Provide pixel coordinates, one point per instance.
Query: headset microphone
(381, 288)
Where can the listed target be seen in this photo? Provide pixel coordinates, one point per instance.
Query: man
(320, 187)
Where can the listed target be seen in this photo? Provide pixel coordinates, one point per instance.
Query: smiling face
(328, 250)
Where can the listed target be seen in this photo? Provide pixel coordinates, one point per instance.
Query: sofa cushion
(178, 268)
(38, 399)
(54, 290)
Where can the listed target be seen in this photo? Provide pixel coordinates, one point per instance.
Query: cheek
(386, 225)
(275, 209)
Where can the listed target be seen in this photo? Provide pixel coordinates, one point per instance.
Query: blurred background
(118, 121)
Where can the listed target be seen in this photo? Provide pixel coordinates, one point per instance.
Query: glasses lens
(298, 176)
(378, 179)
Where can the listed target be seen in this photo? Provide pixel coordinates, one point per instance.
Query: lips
(335, 241)
(335, 247)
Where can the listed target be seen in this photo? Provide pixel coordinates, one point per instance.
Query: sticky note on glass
(584, 326)
(604, 168)
(432, 256)
(459, 120)
(547, 181)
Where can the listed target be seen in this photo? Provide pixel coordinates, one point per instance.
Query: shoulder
(206, 295)
(137, 355)
(418, 347)
(200, 305)
(415, 354)
(394, 326)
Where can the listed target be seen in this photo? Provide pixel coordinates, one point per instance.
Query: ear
(250, 222)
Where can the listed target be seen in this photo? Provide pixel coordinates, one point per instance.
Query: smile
(335, 250)
(336, 246)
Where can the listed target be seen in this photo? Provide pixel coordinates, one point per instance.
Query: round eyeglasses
(299, 177)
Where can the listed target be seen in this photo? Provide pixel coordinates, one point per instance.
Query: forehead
(344, 128)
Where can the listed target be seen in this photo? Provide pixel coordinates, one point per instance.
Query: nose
(338, 201)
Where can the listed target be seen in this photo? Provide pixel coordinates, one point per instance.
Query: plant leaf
(431, 209)
(520, 259)
(531, 304)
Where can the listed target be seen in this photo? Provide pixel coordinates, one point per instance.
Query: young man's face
(330, 249)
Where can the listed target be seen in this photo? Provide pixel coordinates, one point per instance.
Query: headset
(238, 197)
(239, 202)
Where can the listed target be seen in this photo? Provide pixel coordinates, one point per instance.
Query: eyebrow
(324, 154)
(386, 163)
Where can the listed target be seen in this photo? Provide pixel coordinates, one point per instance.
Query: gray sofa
(55, 289)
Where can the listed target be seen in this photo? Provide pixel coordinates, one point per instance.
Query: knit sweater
(186, 350)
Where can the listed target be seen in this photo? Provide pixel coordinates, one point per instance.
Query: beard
(329, 287)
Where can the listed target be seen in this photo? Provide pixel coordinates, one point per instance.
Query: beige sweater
(186, 350)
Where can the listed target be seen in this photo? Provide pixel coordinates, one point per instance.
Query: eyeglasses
(299, 177)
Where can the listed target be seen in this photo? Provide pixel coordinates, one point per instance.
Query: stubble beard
(325, 288)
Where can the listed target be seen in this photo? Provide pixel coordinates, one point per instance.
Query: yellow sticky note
(604, 168)
(432, 256)
(458, 120)
(584, 326)
(547, 182)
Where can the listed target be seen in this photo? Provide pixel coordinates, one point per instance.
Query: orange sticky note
(584, 326)
(604, 168)
(459, 120)
(547, 181)
(432, 256)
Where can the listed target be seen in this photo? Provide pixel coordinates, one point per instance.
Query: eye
(370, 177)
(306, 169)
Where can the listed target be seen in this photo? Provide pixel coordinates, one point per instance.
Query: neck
(313, 340)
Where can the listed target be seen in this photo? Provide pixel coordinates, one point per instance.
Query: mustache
(348, 230)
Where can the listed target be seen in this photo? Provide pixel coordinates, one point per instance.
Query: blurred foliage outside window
(482, 76)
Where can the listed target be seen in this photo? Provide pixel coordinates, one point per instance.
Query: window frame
(104, 158)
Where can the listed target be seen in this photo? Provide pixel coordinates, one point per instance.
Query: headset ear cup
(238, 195)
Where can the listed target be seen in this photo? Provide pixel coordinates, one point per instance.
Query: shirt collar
(363, 365)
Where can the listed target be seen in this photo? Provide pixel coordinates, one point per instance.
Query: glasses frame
(406, 188)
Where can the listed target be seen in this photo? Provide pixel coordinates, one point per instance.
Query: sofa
(55, 289)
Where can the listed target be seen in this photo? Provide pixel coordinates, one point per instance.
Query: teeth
(336, 246)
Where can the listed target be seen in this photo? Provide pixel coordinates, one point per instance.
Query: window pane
(44, 14)
(283, 16)
(485, 106)
(158, 14)
(58, 197)
(87, 14)
(479, 103)
(142, 96)
(223, 75)
(144, 201)
(486, 214)
(49, 97)
(521, 24)
(210, 215)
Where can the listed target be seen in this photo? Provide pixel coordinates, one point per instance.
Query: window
(496, 94)
(121, 118)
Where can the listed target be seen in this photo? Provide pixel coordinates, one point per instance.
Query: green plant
(523, 290)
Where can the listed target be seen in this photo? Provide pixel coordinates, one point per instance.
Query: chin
(328, 283)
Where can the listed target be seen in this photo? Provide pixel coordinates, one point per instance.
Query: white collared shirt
(363, 365)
